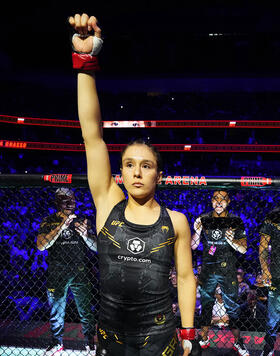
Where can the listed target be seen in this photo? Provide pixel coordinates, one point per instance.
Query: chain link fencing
(26, 290)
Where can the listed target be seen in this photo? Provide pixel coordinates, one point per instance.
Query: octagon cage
(26, 202)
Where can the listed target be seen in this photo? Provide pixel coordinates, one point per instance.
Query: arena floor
(19, 351)
(31, 338)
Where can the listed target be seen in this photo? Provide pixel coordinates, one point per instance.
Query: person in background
(261, 289)
(243, 287)
(269, 250)
(219, 313)
(174, 293)
(253, 313)
(221, 234)
(67, 238)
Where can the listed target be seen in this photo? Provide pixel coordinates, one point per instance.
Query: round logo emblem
(136, 245)
(217, 234)
(160, 319)
(67, 234)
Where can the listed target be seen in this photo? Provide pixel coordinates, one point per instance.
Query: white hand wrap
(97, 43)
(187, 344)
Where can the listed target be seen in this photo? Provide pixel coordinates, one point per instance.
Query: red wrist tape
(187, 334)
(85, 62)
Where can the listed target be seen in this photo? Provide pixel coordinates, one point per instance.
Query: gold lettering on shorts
(169, 351)
(103, 333)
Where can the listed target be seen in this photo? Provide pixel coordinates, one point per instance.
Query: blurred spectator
(198, 288)
(261, 289)
(220, 317)
(243, 287)
(174, 295)
(253, 313)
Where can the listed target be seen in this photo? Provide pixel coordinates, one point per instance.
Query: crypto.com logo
(136, 245)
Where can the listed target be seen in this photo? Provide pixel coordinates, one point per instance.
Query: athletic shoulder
(115, 212)
(177, 218)
(176, 214)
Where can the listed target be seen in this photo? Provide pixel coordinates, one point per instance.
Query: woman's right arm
(106, 193)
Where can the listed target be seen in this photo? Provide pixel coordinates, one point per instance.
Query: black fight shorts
(111, 344)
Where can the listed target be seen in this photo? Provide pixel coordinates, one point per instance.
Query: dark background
(149, 37)
(170, 60)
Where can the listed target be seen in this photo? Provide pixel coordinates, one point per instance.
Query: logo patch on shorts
(160, 319)
(170, 349)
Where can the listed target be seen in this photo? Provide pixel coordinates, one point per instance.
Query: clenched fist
(84, 25)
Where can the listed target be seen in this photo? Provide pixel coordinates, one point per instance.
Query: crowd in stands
(174, 163)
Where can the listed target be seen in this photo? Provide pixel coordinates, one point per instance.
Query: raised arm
(105, 191)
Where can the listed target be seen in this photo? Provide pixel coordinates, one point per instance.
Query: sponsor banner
(58, 178)
(255, 181)
(174, 180)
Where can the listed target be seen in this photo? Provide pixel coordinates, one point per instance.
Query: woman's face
(139, 171)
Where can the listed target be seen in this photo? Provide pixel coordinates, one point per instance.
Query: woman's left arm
(186, 283)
